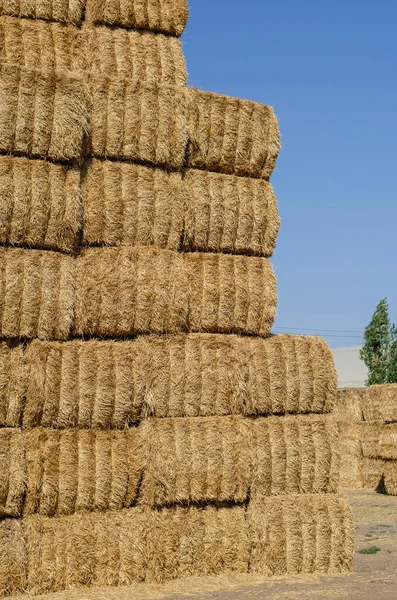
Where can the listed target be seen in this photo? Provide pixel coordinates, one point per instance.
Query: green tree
(379, 352)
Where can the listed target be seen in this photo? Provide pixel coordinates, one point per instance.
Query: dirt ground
(375, 576)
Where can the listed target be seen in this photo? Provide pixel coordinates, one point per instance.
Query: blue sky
(329, 70)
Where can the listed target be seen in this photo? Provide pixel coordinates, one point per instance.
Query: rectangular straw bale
(388, 442)
(123, 291)
(13, 384)
(390, 477)
(104, 384)
(122, 547)
(13, 557)
(127, 205)
(231, 135)
(62, 11)
(370, 435)
(196, 460)
(295, 455)
(351, 455)
(50, 47)
(226, 213)
(40, 204)
(139, 56)
(85, 384)
(230, 294)
(139, 122)
(12, 472)
(61, 472)
(42, 115)
(165, 16)
(348, 405)
(301, 534)
(37, 294)
(380, 403)
(373, 470)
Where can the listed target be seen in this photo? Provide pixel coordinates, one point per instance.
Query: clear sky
(330, 71)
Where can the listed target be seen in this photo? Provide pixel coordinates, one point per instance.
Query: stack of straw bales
(132, 205)
(368, 437)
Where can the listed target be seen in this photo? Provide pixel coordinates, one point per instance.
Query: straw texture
(301, 534)
(121, 547)
(388, 442)
(127, 204)
(62, 11)
(139, 122)
(370, 435)
(51, 47)
(12, 384)
(140, 290)
(380, 403)
(167, 16)
(390, 477)
(350, 445)
(373, 471)
(230, 135)
(36, 294)
(41, 115)
(62, 472)
(102, 384)
(348, 405)
(226, 213)
(40, 204)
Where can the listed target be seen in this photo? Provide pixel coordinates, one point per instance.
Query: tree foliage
(379, 352)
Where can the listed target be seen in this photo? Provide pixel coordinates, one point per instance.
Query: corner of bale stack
(13, 383)
(43, 115)
(226, 213)
(164, 16)
(144, 123)
(40, 204)
(37, 294)
(126, 204)
(62, 11)
(231, 135)
(301, 534)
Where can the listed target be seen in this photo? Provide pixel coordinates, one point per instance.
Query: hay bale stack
(348, 413)
(109, 384)
(380, 403)
(233, 136)
(61, 11)
(388, 442)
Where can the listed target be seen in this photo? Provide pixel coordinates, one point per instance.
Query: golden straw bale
(230, 294)
(103, 384)
(350, 445)
(12, 472)
(166, 16)
(226, 213)
(62, 11)
(295, 454)
(121, 547)
(140, 56)
(43, 116)
(123, 291)
(388, 442)
(62, 472)
(196, 460)
(233, 136)
(348, 405)
(12, 384)
(370, 435)
(301, 534)
(126, 204)
(37, 293)
(139, 122)
(373, 470)
(390, 477)
(380, 403)
(13, 558)
(40, 204)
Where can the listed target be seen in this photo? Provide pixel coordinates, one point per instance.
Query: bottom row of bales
(368, 437)
(167, 457)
